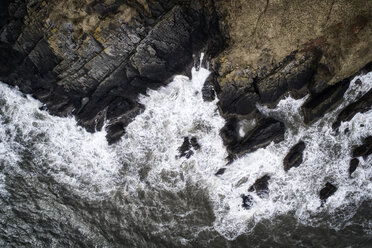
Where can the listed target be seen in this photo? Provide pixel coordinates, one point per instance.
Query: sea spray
(150, 188)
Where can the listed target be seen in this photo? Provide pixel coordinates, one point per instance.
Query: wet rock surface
(248, 201)
(320, 103)
(360, 106)
(188, 147)
(266, 130)
(295, 156)
(328, 190)
(93, 63)
(220, 171)
(261, 186)
(353, 165)
(363, 150)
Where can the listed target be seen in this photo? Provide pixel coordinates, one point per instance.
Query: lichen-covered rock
(293, 76)
(260, 34)
(276, 48)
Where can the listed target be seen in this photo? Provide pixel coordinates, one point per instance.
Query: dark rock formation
(186, 148)
(295, 156)
(360, 106)
(240, 101)
(320, 103)
(293, 75)
(261, 186)
(208, 93)
(363, 150)
(265, 131)
(353, 165)
(248, 201)
(92, 59)
(220, 171)
(326, 192)
(194, 143)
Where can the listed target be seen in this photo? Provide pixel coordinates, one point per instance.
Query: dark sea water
(61, 186)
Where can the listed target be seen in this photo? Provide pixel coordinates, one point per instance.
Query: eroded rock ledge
(91, 58)
(276, 48)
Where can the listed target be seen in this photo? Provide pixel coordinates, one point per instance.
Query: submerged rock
(295, 156)
(220, 171)
(261, 186)
(326, 192)
(194, 143)
(186, 148)
(248, 201)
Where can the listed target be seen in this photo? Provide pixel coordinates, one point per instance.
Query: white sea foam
(60, 147)
(147, 154)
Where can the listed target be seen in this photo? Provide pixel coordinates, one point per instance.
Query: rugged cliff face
(92, 58)
(280, 47)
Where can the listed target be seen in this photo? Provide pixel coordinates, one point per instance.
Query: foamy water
(144, 162)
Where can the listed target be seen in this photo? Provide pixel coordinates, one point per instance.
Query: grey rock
(295, 156)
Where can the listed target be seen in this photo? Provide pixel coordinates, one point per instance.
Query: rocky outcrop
(353, 165)
(248, 201)
(261, 186)
(320, 103)
(328, 190)
(261, 34)
(261, 134)
(91, 58)
(360, 106)
(188, 147)
(363, 150)
(295, 156)
(279, 48)
(220, 171)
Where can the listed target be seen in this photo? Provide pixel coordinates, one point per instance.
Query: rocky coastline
(91, 59)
